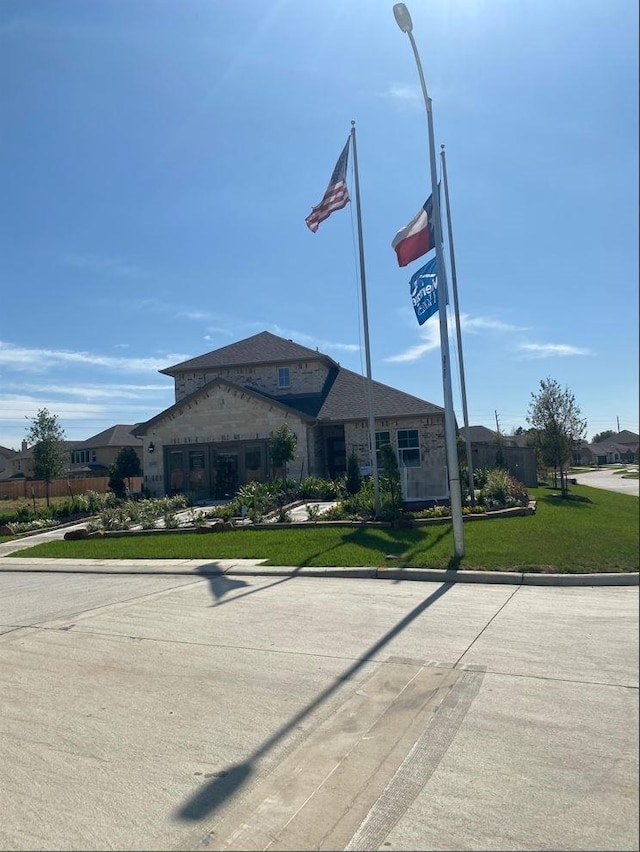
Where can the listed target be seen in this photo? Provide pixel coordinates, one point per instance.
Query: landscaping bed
(592, 531)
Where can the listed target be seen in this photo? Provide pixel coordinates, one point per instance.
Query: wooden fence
(18, 489)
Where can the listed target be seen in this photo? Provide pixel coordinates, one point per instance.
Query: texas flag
(416, 238)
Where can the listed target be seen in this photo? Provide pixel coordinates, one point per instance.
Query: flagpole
(365, 320)
(403, 19)
(454, 287)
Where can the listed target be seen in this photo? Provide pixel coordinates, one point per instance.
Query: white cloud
(111, 392)
(104, 265)
(430, 334)
(406, 95)
(15, 408)
(42, 360)
(473, 325)
(549, 350)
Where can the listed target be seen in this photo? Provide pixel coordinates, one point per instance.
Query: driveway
(608, 480)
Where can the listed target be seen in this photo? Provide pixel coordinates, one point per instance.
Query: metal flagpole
(365, 319)
(454, 286)
(403, 19)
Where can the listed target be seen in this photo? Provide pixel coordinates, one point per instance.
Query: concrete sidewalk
(256, 568)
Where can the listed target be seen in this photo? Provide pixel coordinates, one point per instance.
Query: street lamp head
(403, 18)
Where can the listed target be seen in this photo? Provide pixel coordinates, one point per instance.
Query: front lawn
(591, 531)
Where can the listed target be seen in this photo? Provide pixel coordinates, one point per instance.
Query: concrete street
(610, 481)
(256, 712)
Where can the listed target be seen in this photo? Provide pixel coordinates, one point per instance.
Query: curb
(208, 568)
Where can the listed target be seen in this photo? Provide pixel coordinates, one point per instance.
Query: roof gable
(141, 428)
(262, 348)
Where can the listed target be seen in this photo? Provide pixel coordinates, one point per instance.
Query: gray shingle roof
(347, 400)
(342, 398)
(625, 437)
(120, 435)
(262, 348)
(479, 434)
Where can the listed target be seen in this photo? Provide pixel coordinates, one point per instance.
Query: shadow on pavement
(220, 585)
(215, 792)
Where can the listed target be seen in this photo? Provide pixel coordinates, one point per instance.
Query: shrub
(354, 478)
(501, 490)
(315, 488)
(390, 486)
(313, 513)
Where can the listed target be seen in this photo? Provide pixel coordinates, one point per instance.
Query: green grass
(594, 530)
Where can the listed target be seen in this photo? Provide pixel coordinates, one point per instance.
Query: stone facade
(231, 401)
(304, 377)
(223, 422)
(426, 479)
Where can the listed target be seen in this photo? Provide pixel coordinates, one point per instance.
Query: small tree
(126, 465)
(49, 448)
(354, 477)
(282, 448)
(390, 484)
(559, 426)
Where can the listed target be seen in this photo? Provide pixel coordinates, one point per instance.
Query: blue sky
(158, 160)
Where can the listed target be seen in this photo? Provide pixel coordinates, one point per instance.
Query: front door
(225, 473)
(336, 457)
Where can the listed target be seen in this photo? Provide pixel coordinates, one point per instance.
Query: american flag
(336, 197)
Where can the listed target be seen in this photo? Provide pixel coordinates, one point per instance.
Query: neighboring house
(229, 402)
(96, 455)
(5, 461)
(89, 458)
(485, 445)
(21, 464)
(620, 448)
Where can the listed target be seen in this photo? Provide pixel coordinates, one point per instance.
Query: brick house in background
(89, 458)
(96, 455)
(229, 402)
(5, 457)
(619, 448)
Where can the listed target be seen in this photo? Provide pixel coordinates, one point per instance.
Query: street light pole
(403, 19)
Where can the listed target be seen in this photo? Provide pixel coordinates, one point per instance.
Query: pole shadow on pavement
(215, 792)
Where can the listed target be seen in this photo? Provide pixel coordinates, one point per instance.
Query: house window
(381, 438)
(408, 448)
(253, 459)
(283, 377)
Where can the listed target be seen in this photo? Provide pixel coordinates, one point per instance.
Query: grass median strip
(591, 531)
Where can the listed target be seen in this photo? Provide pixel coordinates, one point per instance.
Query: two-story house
(95, 456)
(229, 402)
(5, 461)
(89, 458)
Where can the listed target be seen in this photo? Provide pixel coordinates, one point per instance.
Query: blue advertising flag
(424, 291)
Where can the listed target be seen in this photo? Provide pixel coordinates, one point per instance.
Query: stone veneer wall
(427, 482)
(304, 376)
(220, 415)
